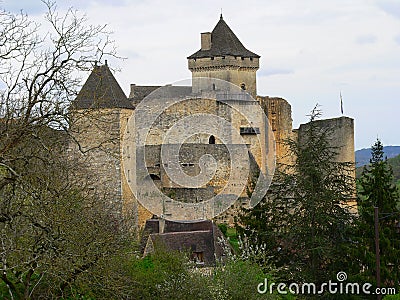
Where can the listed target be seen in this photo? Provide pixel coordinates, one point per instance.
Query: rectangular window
(249, 130)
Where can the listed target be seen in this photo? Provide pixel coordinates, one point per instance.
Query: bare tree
(40, 71)
(52, 228)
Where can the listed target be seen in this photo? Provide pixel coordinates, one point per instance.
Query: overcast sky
(310, 50)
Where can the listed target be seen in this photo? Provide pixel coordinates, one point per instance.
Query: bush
(223, 227)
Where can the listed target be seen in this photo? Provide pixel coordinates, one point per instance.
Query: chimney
(206, 41)
(132, 92)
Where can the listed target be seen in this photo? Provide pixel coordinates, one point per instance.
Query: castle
(122, 152)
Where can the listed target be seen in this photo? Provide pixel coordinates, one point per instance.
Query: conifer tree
(304, 222)
(376, 189)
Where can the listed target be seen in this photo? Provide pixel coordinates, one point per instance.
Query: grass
(233, 238)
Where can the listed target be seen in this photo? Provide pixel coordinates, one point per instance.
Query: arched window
(211, 140)
(213, 86)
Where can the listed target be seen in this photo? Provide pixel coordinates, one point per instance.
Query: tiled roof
(195, 241)
(195, 236)
(101, 90)
(224, 42)
(139, 92)
(172, 226)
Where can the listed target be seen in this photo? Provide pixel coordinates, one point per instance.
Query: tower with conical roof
(223, 56)
(99, 116)
(101, 90)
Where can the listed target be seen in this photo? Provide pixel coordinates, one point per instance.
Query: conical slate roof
(101, 90)
(224, 42)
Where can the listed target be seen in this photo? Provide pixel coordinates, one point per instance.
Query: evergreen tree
(304, 222)
(376, 189)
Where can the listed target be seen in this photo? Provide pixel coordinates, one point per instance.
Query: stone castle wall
(236, 70)
(341, 140)
(189, 158)
(98, 135)
(341, 136)
(279, 113)
(237, 114)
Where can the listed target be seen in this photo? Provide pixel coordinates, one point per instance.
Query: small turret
(101, 90)
(223, 56)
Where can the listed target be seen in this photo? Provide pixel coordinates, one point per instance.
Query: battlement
(223, 62)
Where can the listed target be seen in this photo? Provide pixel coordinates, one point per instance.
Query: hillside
(394, 162)
(363, 155)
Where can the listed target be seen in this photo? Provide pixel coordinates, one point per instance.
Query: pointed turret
(221, 42)
(101, 90)
(223, 56)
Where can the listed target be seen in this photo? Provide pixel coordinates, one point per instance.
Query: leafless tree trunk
(52, 229)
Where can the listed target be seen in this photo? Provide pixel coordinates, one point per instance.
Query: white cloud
(274, 71)
(314, 48)
(391, 7)
(27, 6)
(366, 39)
(397, 39)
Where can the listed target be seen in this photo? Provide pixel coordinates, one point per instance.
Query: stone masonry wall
(99, 134)
(232, 69)
(97, 142)
(341, 136)
(279, 114)
(341, 140)
(236, 70)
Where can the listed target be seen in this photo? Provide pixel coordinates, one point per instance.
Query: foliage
(304, 223)
(52, 228)
(171, 275)
(376, 189)
(161, 275)
(233, 238)
(52, 231)
(394, 162)
(238, 279)
(392, 297)
(231, 235)
(223, 227)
